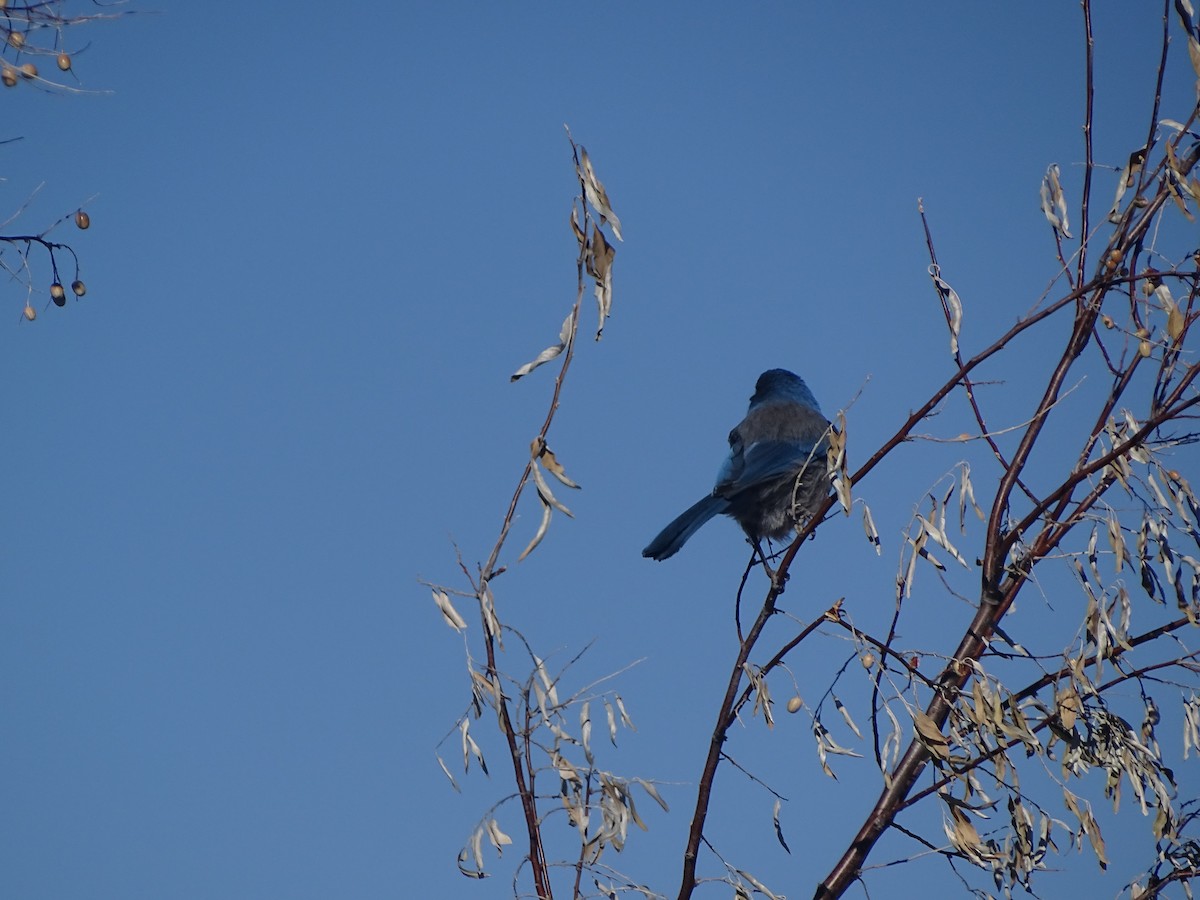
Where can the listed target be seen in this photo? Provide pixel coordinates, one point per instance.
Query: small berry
(58, 295)
(78, 288)
(29, 70)
(64, 61)
(8, 76)
(30, 312)
(82, 219)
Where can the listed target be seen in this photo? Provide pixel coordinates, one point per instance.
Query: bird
(775, 476)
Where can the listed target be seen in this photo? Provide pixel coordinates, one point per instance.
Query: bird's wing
(765, 461)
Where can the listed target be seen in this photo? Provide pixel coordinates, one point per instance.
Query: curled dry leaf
(931, 736)
(554, 467)
(953, 307)
(600, 255)
(596, 194)
(1054, 203)
(1128, 176)
(449, 613)
(564, 337)
(1069, 706)
(778, 827)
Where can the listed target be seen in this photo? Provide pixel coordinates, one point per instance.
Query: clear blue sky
(323, 239)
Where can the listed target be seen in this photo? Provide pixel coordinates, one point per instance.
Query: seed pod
(17, 39)
(8, 76)
(30, 312)
(1145, 348)
(64, 61)
(82, 220)
(794, 704)
(78, 288)
(29, 70)
(58, 294)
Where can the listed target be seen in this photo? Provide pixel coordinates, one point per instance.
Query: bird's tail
(675, 535)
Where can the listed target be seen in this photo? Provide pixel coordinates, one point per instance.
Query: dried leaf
(596, 194)
(473, 851)
(600, 257)
(585, 731)
(1069, 706)
(1054, 203)
(1128, 176)
(564, 336)
(625, 720)
(953, 307)
(869, 528)
(612, 722)
(758, 885)
(445, 768)
(498, 838)
(470, 748)
(931, 736)
(778, 827)
(653, 792)
(543, 527)
(966, 494)
(940, 538)
(554, 467)
(576, 229)
(841, 707)
(449, 613)
(545, 493)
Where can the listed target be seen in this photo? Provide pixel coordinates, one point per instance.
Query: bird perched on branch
(775, 475)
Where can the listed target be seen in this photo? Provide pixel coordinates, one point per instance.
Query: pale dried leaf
(612, 722)
(1054, 203)
(545, 493)
(498, 838)
(473, 851)
(939, 537)
(470, 748)
(446, 769)
(966, 494)
(653, 792)
(954, 308)
(625, 720)
(449, 613)
(596, 194)
(872, 532)
(550, 352)
(585, 730)
(1126, 180)
(1116, 540)
(543, 526)
(841, 707)
(758, 885)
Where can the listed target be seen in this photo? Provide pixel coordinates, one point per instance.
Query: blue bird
(775, 475)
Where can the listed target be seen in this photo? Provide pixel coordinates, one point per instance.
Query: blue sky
(320, 245)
